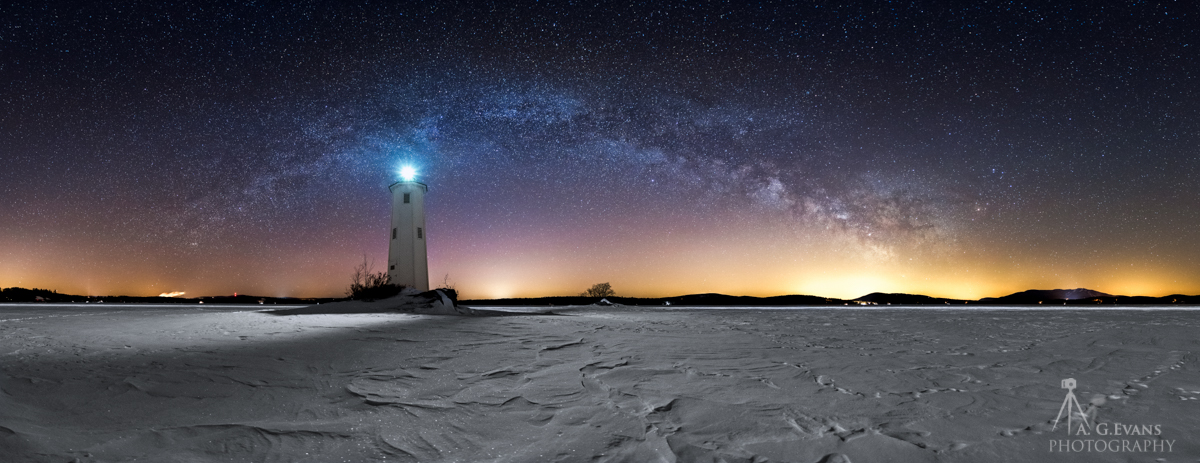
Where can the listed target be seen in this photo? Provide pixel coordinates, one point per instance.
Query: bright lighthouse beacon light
(408, 173)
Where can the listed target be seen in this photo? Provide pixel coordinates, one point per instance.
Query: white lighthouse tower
(408, 264)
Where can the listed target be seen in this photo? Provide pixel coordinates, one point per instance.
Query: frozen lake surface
(163, 383)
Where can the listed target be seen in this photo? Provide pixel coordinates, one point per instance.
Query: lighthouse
(408, 264)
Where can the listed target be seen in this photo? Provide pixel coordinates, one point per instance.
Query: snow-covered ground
(111, 383)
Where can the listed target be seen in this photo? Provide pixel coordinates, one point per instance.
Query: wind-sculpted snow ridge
(609, 384)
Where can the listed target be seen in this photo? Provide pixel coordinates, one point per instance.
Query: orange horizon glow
(654, 250)
(672, 261)
(844, 287)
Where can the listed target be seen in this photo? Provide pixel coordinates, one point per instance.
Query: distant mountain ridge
(1078, 296)
(16, 294)
(906, 299)
(1033, 296)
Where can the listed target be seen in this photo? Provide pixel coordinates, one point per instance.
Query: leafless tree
(599, 290)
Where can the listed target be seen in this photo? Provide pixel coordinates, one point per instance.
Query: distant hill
(735, 301)
(34, 295)
(1037, 296)
(690, 300)
(1078, 296)
(15, 294)
(907, 299)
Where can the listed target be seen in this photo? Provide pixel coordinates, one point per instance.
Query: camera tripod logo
(1070, 406)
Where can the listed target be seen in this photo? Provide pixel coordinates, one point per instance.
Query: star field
(942, 148)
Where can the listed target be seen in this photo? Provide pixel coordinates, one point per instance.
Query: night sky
(954, 149)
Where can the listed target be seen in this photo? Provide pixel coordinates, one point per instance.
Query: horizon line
(237, 295)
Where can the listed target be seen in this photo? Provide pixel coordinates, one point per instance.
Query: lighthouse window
(420, 233)
(393, 267)
(406, 198)
(393, 233)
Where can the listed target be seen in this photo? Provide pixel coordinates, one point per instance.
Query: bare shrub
(448, 288)
(367, 284)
